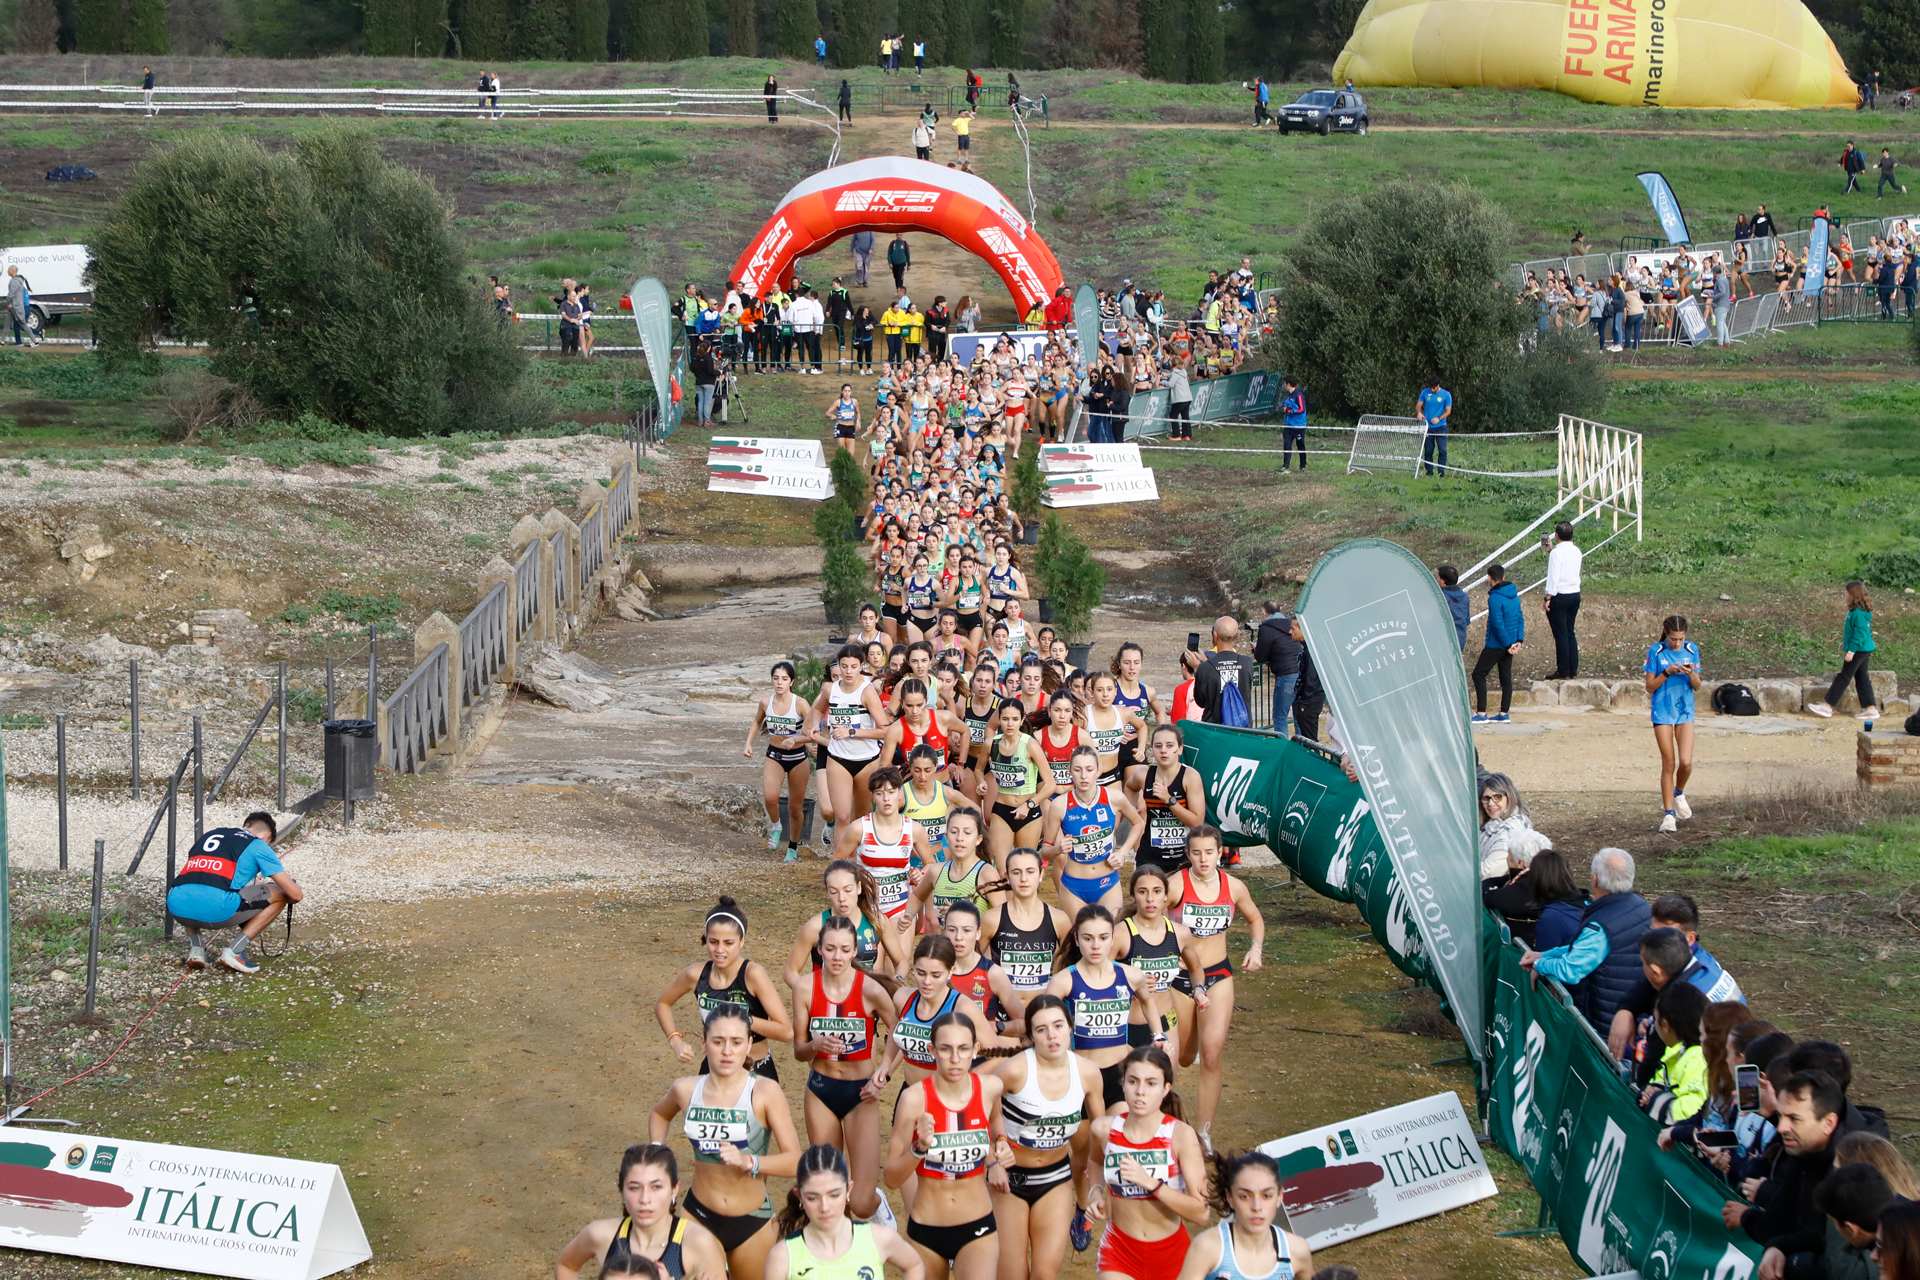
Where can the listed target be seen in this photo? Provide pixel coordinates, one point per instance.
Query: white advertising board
(1354, 1177)
(1090, 457)
(1096, 488)
(223, 1213)
(791, 454)
(812, 483)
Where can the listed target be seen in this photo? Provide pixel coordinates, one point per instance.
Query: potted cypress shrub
(844, 587)
(835, 521)
(849, 483)
(1074, 582)
(1027, 491)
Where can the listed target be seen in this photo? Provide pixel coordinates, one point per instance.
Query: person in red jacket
(1060, 309)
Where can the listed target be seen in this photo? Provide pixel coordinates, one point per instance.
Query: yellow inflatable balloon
(1644, 53)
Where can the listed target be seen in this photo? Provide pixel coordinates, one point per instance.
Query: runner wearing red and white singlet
(1205, 915)
(934, 737)
(1016, 390)
(886, 842)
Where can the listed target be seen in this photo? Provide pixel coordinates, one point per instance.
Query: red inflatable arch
(892, 193)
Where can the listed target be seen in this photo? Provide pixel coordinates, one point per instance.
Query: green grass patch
(1880, 858)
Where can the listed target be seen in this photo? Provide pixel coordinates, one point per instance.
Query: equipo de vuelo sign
(219, 1212)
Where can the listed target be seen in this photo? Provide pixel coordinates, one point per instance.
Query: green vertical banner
(1086, 326)
(1383, 644)
(6, 940)
(1558, 1107)
(653, 316)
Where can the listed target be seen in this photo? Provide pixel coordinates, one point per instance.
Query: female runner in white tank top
(789, 761)
(1052, 1095)
(889, 844)
(1248, 1243)
(850, 720)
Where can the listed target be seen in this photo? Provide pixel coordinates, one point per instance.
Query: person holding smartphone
(1673, 674)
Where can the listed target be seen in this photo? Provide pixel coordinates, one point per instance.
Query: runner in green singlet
(821, 1242)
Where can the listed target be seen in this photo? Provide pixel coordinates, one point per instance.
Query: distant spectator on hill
(846, 113)
(1435, 408)
(1293, 423)
(146, 89)
(820, 51)
(1763, 224)
(772, 92)
(1562, 601)
(1506, 636)
(1601, 965)
(899, 257)
(1887, 165)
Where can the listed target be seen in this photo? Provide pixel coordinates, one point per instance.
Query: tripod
(729, 392)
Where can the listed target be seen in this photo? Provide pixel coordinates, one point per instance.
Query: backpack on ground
(1913, 724)
(1735, 700)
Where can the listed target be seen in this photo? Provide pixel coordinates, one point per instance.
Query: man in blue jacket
(1506, 629)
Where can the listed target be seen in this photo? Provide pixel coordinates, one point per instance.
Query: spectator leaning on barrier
(1601, 965)
(232, 877)
(1273, 644)
(1542, 904)
(1678, 911)
(1678, 1089)
(1789, 1224)
(1222, 669)
(1664, 959)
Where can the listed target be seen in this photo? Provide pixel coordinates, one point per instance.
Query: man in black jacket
(1274, 645)
(1309, 699)
(1790, 1224)
(1220, 669)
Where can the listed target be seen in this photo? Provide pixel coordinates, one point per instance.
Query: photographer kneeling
(233, 877)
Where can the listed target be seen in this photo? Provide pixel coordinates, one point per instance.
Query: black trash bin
(352, 751)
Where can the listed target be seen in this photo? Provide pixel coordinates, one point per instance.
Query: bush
(849, 479)
(1387, 289)
(1896, 567)
(833, 521)
(844, 585)
(1029, 487)
(325, 280)
(1072, 579)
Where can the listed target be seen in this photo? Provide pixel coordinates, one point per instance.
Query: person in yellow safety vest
(913, 323)
(1213, 315)
(892, 320)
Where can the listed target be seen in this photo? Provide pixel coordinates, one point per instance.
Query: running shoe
(884, 1215)
(1481, 717)
(196, 953)
(1080, 1233)
(1206, 1139)
(826, 834)
(237, 960)
(1867, 713)
(1681, 809)
(793, 853)
(773, 837)
(1667, 823)
(1502, 718)
(1821, 709)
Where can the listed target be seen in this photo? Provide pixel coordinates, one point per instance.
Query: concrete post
(550, 523)
(530, 530)
(494, 573)
(437, 630)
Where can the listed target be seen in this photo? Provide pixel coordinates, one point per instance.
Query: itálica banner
(224, 1213)
(1090, 457)
(796, 454)
(1097, 488)
(653, 317)
(1354, 1177)
(815, 484)
(1552, 1087)
(1558, 1107)
(1665, 207)
(1383, 643)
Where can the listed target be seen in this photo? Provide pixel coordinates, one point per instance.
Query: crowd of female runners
(1034, 1043)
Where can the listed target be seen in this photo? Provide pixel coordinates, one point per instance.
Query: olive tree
(1388, 289)
(323, 279)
